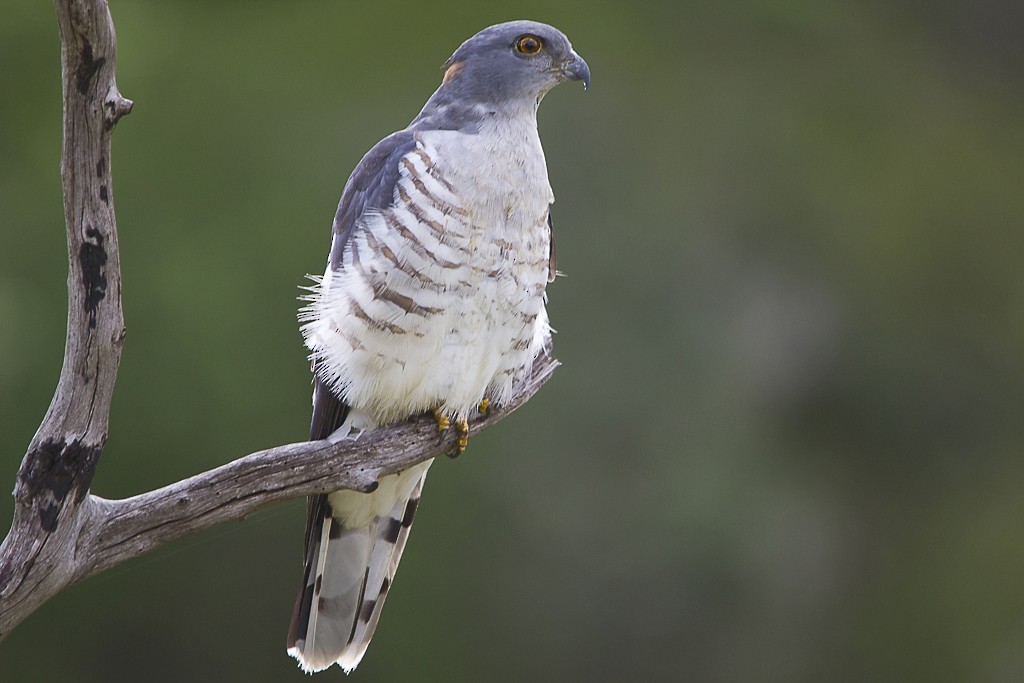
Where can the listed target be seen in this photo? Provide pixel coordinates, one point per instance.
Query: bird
(433, 301)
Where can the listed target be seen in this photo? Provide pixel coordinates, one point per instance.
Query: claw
(485, 405)
(462, 430)
(443, 423)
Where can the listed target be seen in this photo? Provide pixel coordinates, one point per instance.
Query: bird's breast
(439, 297)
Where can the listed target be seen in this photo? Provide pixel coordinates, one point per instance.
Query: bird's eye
(528, 44)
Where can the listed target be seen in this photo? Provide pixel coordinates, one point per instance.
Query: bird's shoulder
(371, 186)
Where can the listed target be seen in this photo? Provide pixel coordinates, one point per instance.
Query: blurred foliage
(786, 440)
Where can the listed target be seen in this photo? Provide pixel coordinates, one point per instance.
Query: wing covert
(370, 187)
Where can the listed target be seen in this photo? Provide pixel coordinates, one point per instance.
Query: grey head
(507, 67)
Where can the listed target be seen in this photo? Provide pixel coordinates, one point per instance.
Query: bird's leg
(443, 423)
(485, 405)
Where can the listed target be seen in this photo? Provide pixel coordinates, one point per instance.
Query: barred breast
(436, 304)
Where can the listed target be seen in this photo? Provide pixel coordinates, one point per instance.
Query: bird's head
(514, 61)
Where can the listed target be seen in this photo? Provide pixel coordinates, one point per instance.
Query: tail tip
(348, 661)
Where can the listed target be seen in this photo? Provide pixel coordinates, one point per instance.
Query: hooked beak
(576, 69)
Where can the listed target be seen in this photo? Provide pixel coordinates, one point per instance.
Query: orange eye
(528, 44)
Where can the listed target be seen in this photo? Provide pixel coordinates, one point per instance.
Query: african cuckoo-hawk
(433, 300)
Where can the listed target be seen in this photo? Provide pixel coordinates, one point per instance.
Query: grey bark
(61, 533)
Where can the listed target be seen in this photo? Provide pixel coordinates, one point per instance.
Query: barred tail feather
(350, 564)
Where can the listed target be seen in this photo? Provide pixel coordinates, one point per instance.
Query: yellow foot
(462, 430)
(443, 423)
(485, 405)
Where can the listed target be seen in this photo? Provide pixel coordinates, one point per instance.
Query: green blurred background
(786, 442)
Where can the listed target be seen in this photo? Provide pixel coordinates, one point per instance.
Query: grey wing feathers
(551, 249)
(318, 513)
(329, 411)
(371, 186)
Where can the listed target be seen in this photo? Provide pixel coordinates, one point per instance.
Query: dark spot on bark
(48, 512)
(93, 257)
(318, 584)
(101, 167)
(103, 194)
(54, 470)
(87, 68)
(6, 574)
(384, 586)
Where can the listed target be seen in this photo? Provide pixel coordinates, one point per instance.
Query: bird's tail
(353, 545)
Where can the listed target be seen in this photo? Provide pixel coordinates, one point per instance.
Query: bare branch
(61, 534)
(56, 472)
(122, 529)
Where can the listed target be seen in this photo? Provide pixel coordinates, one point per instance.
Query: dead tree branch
(61, 533)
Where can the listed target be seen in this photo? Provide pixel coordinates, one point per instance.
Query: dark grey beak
(577, 70)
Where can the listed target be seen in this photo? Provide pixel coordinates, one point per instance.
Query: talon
(443, 423)
(462, 430)
(485, 405)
